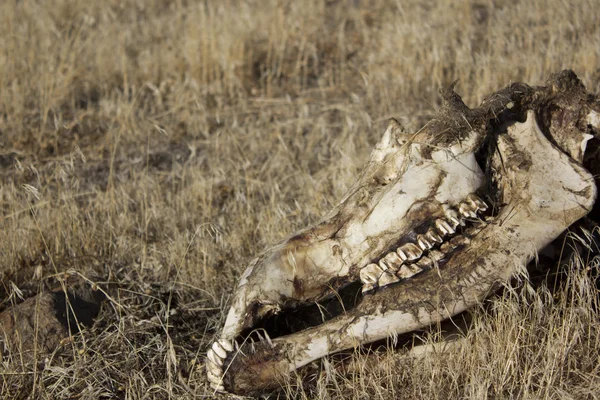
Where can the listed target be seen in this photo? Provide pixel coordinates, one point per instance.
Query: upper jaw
(410, 182)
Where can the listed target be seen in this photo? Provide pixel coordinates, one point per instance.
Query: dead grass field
(156, 146)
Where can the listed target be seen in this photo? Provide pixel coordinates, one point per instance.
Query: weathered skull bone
(436, 221)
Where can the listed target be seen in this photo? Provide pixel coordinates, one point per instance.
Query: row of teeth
(408, 259)
(214, 366)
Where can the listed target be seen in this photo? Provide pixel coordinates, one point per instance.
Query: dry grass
(160, 144)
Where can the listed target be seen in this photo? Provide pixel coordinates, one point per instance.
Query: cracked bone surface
(436, 221)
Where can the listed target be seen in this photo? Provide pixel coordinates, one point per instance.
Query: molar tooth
(447, 247)
(454, 218)
(477, 203)
(466, 211)
(392, 260)
(411, 250)
(425, 262)
(369, 276)
(460, 240)
(408, 270)
(433, 236)
(423, 243)
(444, 227)
(388, 278)
(436, 255)
(401, 254)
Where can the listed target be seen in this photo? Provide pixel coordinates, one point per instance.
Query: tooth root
(408, 270)
(423, 242)
(220, 351)
(387, 279)
(444, 227)
(433, 236)
(477, 203)
(411, 250)
(370, 274)
(466, 211)
(453, 217)
(425, 263)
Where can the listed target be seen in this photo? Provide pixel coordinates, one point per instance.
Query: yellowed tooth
(476, 202)
(412, 251)
(436, 255)
(460, 240)
(408, 270)
(444, 227)
(387, 278)
(466, 211)
(453, 217)
(433, 236)
(370, 274)
(401, 254)
(392, 260)
(423, 242)
(424, 262)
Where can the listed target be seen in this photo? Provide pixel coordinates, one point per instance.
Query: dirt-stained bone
(520, 151)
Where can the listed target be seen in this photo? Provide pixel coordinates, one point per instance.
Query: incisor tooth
(216, 381)
(219, 350)
(412, 251)
(226, 344)
(213, 358)
(214, 373)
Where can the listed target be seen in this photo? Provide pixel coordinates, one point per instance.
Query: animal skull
(437, 220)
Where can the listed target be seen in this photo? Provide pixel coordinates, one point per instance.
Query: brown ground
(160, 144)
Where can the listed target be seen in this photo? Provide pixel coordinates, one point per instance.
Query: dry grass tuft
(160, 144)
